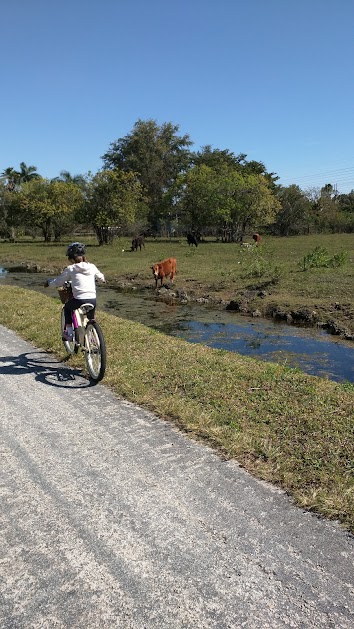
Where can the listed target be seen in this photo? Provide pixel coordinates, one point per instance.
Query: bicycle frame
(80, 321)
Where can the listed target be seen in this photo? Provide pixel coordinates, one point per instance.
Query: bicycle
(87, 335)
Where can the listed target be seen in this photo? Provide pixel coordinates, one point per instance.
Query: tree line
(152, 182)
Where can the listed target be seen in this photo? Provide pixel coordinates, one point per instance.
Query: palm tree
(14, 179)
(66, 176)
(11, 177)
(27, 173)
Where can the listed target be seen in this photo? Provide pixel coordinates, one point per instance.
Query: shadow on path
(46, 369)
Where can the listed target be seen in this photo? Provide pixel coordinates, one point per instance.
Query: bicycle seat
(85, 308)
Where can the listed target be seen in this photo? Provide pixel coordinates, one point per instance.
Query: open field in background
(280, 424)
(222, 272)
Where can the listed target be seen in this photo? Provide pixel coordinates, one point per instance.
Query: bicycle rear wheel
(70, 346)
(95, 351)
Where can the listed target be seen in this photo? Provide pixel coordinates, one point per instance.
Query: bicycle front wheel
(95, 351)
(70, 346)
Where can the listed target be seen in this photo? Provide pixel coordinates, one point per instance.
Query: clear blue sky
(269, 78)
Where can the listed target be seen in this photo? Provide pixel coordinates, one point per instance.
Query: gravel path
(110, 517)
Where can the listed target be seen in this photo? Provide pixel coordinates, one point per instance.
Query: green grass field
(280, 424)
(222, 271)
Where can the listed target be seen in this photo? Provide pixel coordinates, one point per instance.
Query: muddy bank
(337, 319)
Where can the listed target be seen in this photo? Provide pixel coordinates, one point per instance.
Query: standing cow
(164, 269)
(137, 242)
(192, 239)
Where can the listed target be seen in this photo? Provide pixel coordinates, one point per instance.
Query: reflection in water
(311, 350)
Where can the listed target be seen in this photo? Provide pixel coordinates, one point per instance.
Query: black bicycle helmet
(75, 249)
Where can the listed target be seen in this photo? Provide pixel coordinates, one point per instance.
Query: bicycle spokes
(95, 351)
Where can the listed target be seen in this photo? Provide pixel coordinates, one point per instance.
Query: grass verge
(283, 426)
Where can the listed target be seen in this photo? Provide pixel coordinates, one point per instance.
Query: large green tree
(217, 158)
(113, 201)
(252, 202)
(195, 198)
(50, 205)
(221, 158)
(346, 202)
(157, 153)
(253, 167)
(226, 199)
(11, 212)
(326, 212)
(346, 206)
(294, 214)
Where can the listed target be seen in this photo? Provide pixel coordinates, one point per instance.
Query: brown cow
(257, 238)
(164, 269)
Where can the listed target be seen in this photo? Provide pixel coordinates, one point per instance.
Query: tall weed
(258, 263)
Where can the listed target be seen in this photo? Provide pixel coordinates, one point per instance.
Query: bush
(339, 259)
(320, 257)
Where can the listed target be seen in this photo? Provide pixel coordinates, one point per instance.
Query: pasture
(266, 276)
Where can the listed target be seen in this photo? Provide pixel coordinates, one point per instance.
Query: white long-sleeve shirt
(82, 277)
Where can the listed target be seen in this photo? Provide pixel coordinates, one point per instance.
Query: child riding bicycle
(82, 275)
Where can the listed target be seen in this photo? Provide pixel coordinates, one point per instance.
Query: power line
(341, 177)
(330, 173)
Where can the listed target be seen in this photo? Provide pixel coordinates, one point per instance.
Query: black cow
(192, 240)
(137, 242)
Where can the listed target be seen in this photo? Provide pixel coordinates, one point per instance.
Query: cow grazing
(137, 242)
(257, 238)
(192, 239)
(164, 269)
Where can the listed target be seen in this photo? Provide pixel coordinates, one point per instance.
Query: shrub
(339, 259)
(320, 257)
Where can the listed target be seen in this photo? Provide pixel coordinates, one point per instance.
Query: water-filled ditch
(309, 349)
